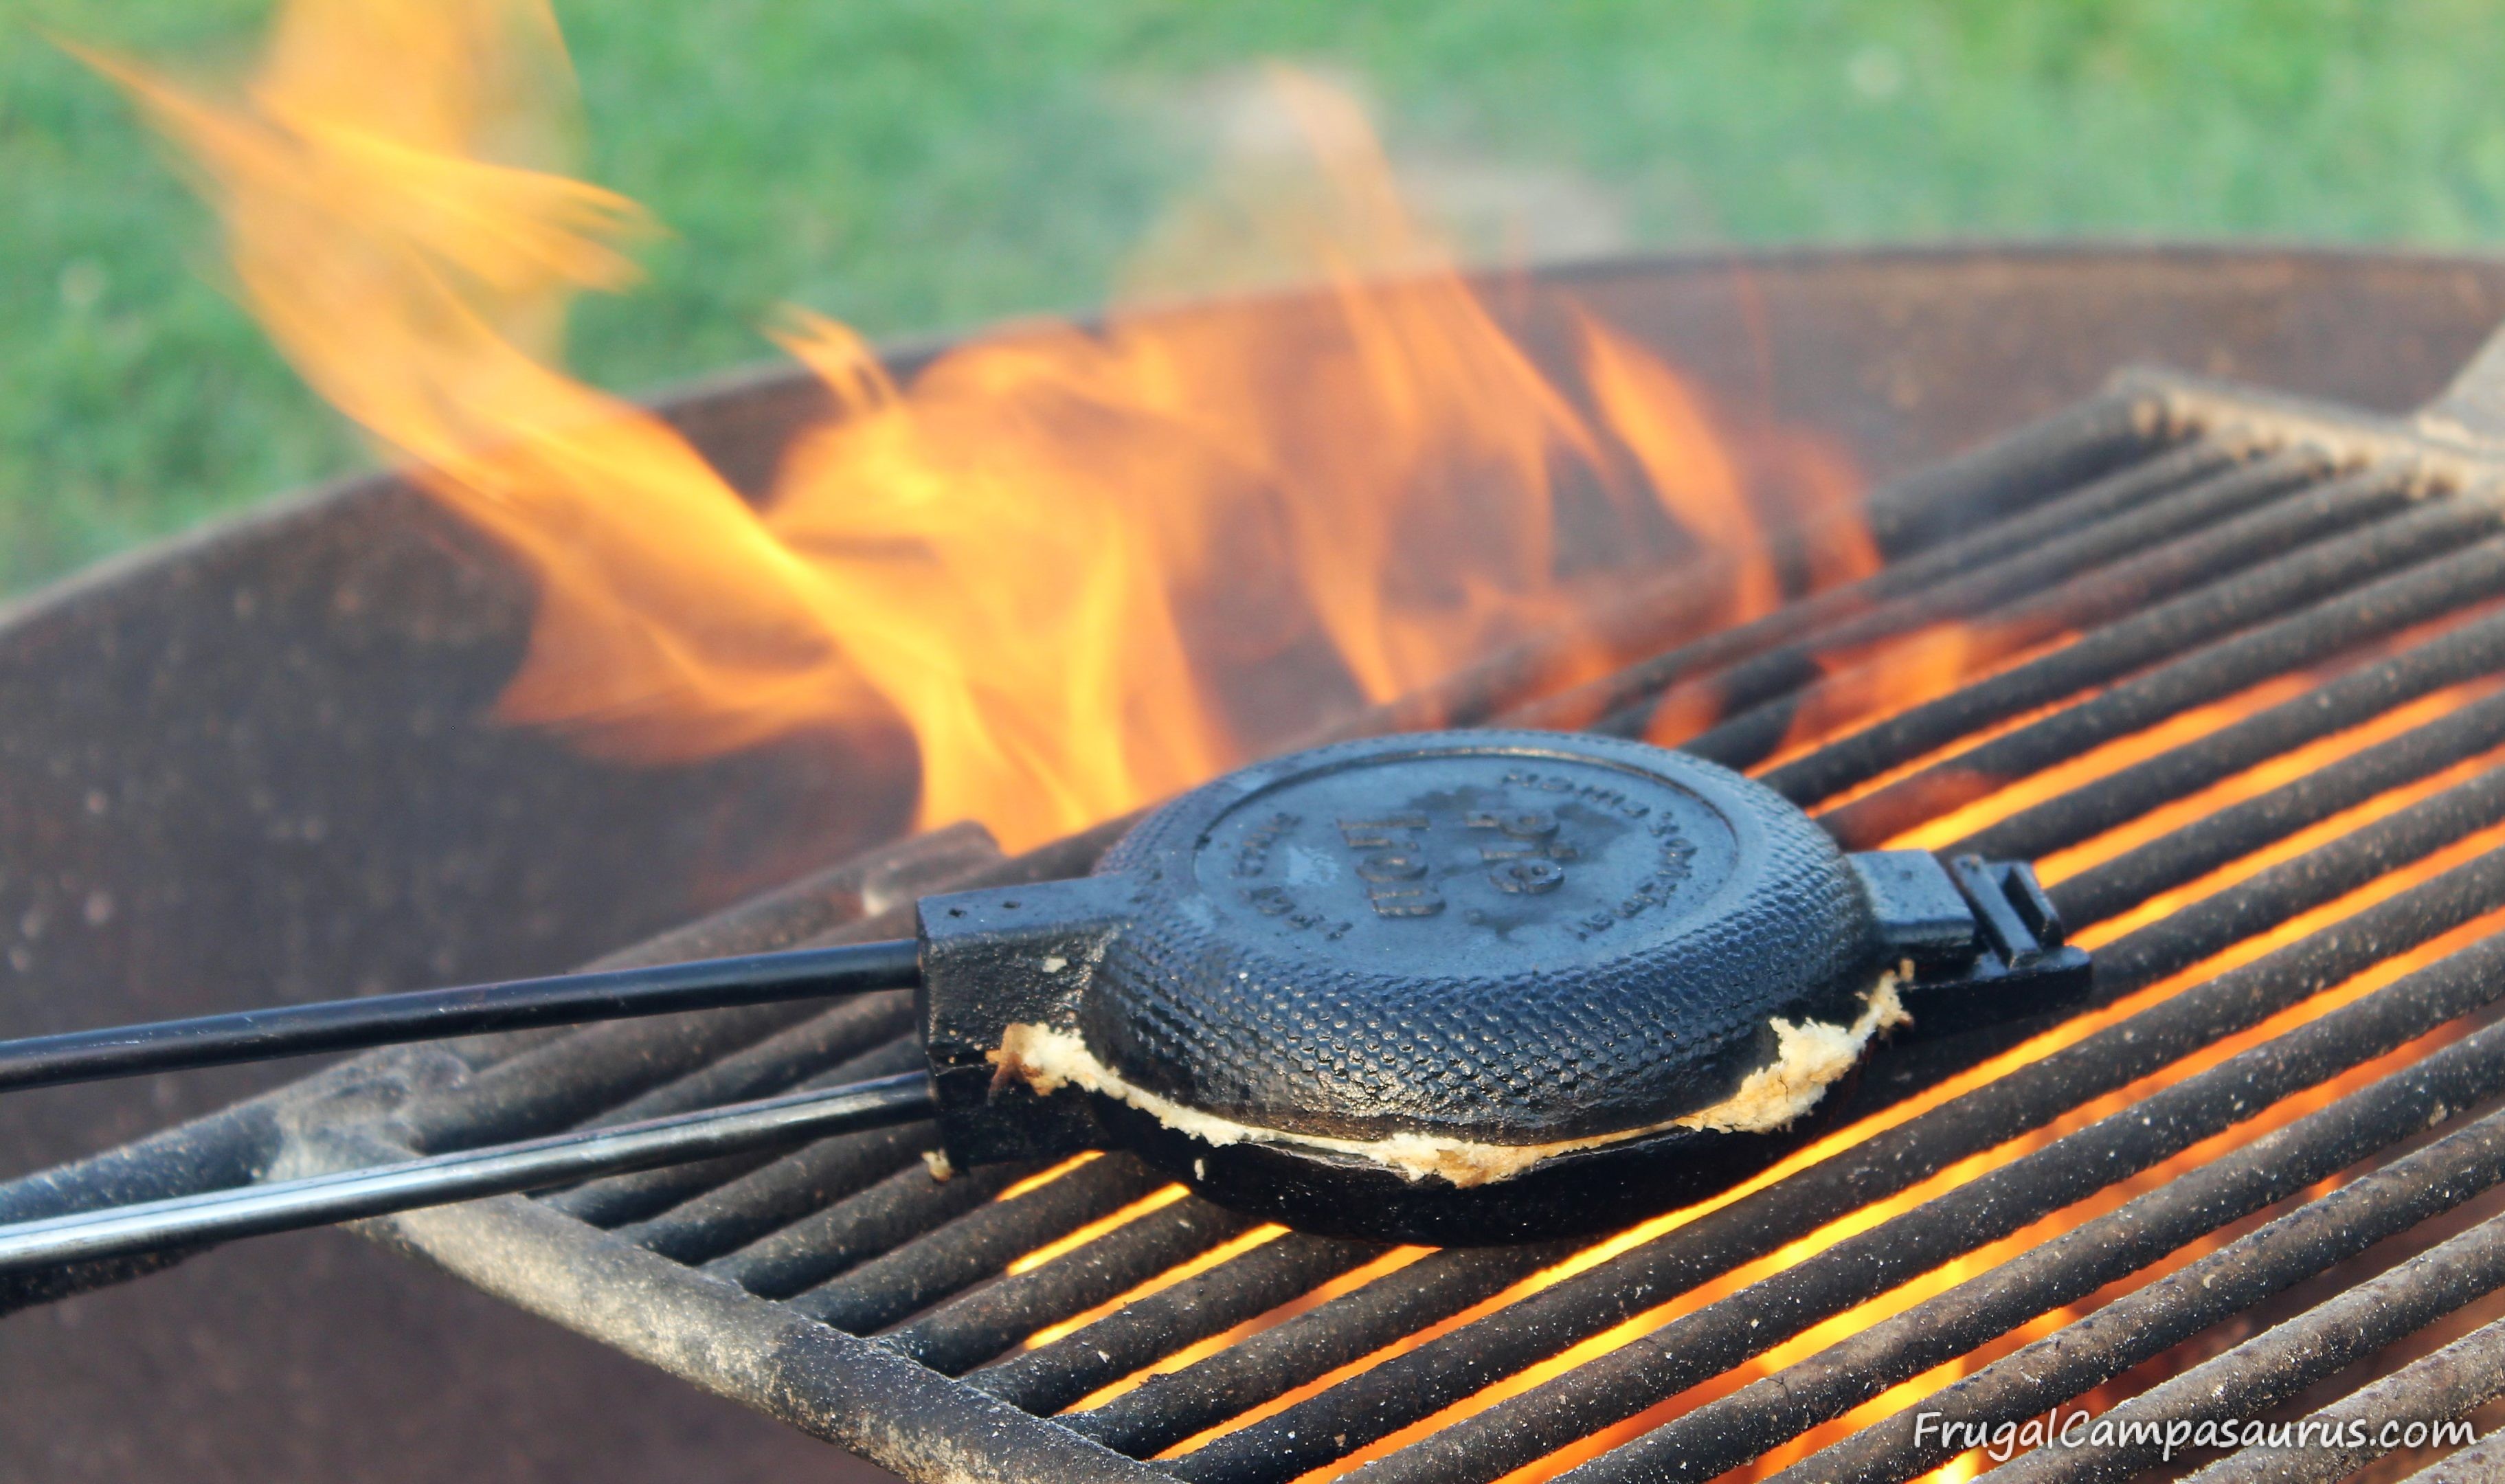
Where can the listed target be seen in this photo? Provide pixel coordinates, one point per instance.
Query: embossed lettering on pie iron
(1462, 987)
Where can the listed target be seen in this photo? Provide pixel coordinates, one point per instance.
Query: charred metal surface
(1148, 1328)
(2473, 651)
(299, 698)
(847, 1160)
(880, 1293)
(2014, 471)
(2141, 506)
(2475, 1464)
(787, 1259)
(1733, 1429)
(2111, 603)
(1695, 1347)
(2460, 576)
(2274, 1366)
(2448, 1384)
(2083, 527)
(1405, 1388)
(969, 1331)
(830, 1385)
(739, 1206)
(1166, 1409)
(2282, 596)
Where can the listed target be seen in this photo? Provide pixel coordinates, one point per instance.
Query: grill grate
(2233, 670)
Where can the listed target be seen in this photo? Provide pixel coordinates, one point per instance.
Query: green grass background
(921, 165)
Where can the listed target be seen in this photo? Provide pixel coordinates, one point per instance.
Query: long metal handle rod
(535, 1164)
(345, 1025)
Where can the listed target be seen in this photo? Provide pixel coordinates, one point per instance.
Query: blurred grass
(918, 165)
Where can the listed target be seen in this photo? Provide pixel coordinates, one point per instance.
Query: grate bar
(2315, 632)
(1147, 1331)
(631, 1197)
(2000, 619)
(1914, 521)
(2451, 1383)
(2247, 570)
(963, 1333)
(2129, 879)
(974, 1247)
(554, 1085)
(906, 1204)
(780, 1061)
(1164, 1410)
(2292, 887)
(1733, 1429)
(2270, 590)
(2015, 469)
(2470, 653)
(1698, 1346)
(2087, 525)
(2481, 1462)
(823, 908)
(777, 1194)
(2090, 576)
(1409, 1387)
(2279, 1364)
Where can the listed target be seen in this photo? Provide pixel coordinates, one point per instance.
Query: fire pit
(295, 699)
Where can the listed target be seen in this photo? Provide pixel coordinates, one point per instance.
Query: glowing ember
(1083, 566)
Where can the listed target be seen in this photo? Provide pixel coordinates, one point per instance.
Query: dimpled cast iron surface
(1509, 938)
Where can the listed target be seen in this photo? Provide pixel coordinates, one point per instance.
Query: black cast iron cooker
(1462, 945)
(1449, 987)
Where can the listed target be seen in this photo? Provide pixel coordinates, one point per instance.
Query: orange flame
(1080, 564)
(1087, 568)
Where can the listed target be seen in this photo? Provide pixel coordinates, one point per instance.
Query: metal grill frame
(871, 1395)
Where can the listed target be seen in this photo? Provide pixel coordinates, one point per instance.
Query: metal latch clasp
(1984, 938)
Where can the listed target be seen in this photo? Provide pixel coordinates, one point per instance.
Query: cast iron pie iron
(1449, 987)
(1459, 987)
